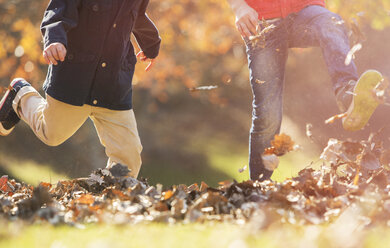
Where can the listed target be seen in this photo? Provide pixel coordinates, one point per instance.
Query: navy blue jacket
(99, 65)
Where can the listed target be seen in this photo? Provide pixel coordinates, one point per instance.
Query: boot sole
(364, 101)
(3, 131)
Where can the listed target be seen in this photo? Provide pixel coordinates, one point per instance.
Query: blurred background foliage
(191, 136)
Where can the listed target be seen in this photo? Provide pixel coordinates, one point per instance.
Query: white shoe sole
(3, 131)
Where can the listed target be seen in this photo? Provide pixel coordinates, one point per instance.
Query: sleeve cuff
(49, 41)
(152, 51)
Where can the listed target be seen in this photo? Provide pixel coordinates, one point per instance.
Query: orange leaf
(168, 194)
(85, 199)
(45, 185)
(3, 183)
(226, 183)
(281, 145)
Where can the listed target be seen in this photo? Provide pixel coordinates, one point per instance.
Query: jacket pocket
(129, 63)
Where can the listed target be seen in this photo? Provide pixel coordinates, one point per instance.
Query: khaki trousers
(54, 122)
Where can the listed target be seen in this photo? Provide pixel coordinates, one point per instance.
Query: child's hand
(142, 57)
(54, 52)
(246, 20)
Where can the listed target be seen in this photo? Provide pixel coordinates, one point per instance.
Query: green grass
(29, 171)
(17, 234)
(152, 235)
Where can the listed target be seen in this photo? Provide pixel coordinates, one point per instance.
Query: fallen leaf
(86, 199)
(167, 194)
(369, 161)
(385, 157)
(3, 183)
(46, 185)
(203, 187)
(119, 170)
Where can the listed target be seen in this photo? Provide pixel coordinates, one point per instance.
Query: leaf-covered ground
(353, 180)
(350, 193)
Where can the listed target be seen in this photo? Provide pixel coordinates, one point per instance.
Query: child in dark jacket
(91, 65)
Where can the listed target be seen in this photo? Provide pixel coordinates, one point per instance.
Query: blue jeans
(312, 26)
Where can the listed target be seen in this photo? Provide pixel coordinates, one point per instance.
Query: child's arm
(246, 17)
(146, 35)
(60, 16)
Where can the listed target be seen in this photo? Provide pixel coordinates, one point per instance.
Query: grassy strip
(29, 171)
(17, 234)
(143, 235)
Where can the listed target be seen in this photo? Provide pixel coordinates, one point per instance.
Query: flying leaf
(351, 53)
(332, 119)
(203, 88)
(282, 144)
(271, 162)
(309, 132)
(241, 170)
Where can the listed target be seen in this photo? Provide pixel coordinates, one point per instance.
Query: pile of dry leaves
(353, 174)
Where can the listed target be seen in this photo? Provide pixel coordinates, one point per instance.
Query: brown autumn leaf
(332, 151)
(385, 157)
(161, 206)
(282, 144)
(369, 161)
(203, 187)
